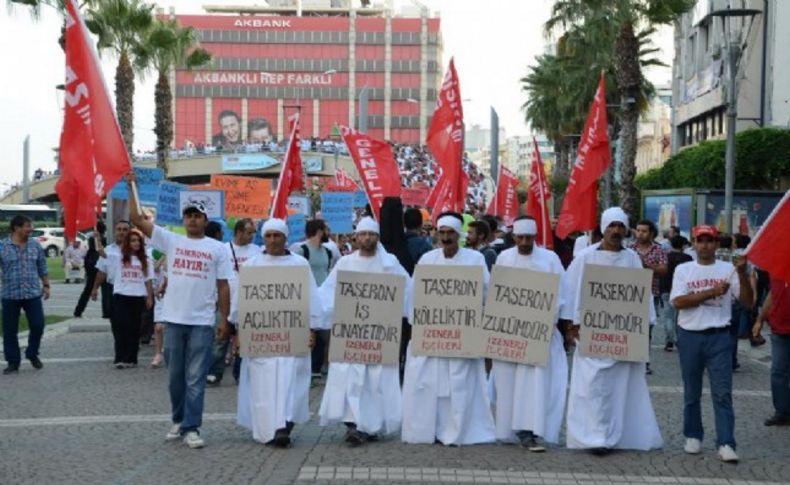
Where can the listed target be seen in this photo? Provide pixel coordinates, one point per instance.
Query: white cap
(451, 222)
(273, 224)
(613, 214)
(525, 227)
(367, 224)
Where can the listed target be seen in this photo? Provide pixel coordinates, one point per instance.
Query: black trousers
(125, 323)
(106, 300)
(90, 278)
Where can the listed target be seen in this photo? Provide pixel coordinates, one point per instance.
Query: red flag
(341, 182)
(375, 164)
(505, 201)
(593, 158)
(291, 178)
(93, 157)
(441, 198)
(538, 197)
(445, 138)
(769, 249)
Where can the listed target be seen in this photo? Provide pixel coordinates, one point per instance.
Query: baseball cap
(705, 230)
(195, 207)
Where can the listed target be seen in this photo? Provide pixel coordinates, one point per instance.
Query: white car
(53, 240)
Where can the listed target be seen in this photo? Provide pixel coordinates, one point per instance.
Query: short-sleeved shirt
(22, 268)
(130, 279)
(693, 277)
(654, 256)
(103, 264)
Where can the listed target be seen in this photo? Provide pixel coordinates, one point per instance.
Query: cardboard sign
(366, 325)
(148, 180)
(520, 313)
(168, 207)
(244, 196)
(274, 311)
(337, 209)
(448, 311)
(415, 196)
(615, 313)
(296, 223)
(212, 200)
(299, 204)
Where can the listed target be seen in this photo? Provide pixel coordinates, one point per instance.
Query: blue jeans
(780, 374)
(713, 351)
(669, 319)
(34, 311)
(188, 356)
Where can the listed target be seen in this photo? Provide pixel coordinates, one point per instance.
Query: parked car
(53, 240)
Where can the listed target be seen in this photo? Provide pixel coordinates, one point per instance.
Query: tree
(121, 26)
(166, 46)
(621, 28)
(34, 7)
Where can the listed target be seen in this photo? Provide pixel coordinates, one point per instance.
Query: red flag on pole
(341, 182)
(505, 201)
(538, 197)
(291, 178)
(93, 157)
(376, 166)
(593, 158)
(769, 249)
(445, 139)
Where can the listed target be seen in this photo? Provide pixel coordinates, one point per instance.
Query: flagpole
(133, 186)
(540, 188)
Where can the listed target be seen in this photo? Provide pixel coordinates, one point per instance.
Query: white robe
(366, 395)
(275, 390)
(609, 402)
(528, 397)
(446, 398)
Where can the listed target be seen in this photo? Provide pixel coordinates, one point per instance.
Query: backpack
(306, 254)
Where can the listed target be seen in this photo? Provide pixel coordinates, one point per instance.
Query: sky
(493, 43)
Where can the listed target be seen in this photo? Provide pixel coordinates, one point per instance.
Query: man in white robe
(366, 397)
(609, 404)
(530, 399)
(274, 391)
(446, 399)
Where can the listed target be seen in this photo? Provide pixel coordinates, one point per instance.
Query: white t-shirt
(693, 277)
(130, 280)
(242, 254)
(104, 265)
(193, 268)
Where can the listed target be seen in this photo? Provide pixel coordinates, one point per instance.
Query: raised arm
(136, 216)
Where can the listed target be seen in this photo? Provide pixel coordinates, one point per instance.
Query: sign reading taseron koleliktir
(615, 313)
(274, 311)
(448, 309)
(520, 313)
(366, 324)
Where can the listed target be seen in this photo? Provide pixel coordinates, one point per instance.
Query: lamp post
(732, 40)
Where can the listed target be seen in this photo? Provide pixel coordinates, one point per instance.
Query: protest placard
(212, 200)
(299, 204)
(244, 196)
(615, 313)
(337, 209)
(148, 180)
(448, 308)
(519, 316)
(360, 199)
(168, 207)
(274, 311)
(296, 227)
(366, 325)
(414, 196)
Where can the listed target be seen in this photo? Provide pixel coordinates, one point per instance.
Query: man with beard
(445, 399)
(366, 397)
(530, 400)
(609, 404)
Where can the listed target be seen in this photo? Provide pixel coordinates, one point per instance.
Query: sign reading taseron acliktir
(448, 308)
(366, 325)
(274, 311)
(615, 313)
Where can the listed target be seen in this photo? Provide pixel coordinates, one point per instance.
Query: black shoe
(36, 362)
(11, 369)
(669, 347)
(648, 370)
(355, 437)
(601, 451)
(777, 420)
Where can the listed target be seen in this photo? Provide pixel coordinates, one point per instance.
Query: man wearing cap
(702, 291)
(274, 391)
(530, 400)
(609, 404)
(198, 270)
(446, 399)
(366, 397)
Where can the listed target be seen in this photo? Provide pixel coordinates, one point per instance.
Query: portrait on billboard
(229, 135)
(259, 130)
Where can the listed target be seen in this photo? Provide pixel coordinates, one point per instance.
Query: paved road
(80, 421)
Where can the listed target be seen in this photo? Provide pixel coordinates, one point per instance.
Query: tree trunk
(629, 78)
(163, 123)
(124, 100)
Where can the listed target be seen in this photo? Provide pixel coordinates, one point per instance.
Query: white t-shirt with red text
(130, 279)
(693, 277)
(238, 256)
(193, 268)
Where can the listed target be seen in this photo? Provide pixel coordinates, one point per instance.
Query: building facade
(521, 153)
(654, 132)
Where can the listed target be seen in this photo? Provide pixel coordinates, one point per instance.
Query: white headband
(273, 224)
(451, 222)
(613, 214)
(367, 224)
(525, 227)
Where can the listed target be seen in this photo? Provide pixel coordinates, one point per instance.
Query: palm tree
(621, 29)
(121, 25)
(34, 7)
(167, 46)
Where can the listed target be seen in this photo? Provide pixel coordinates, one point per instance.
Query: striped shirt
(22, 268)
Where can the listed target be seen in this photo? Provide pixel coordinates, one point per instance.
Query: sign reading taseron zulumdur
(366, 325)
(520, 311)
(615, 313)
(448, 308)
(274, 311)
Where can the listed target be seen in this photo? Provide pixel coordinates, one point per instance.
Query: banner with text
(520, 313)
(415, 196)
(244, 196)
(615, 313)
(337, 209)
(448, 308)
(212, 200)
(239, 162)
(148, 180)
(168, 206)
(296, 229)
(366, 325)
(274, 311)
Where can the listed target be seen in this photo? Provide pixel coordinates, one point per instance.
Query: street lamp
(732, 40)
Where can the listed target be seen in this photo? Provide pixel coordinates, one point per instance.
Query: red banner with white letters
(538, 200)
(505, 202)
(376, 166)
(291, 175)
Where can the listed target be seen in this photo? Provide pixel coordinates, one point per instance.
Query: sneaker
(282, 438)
(315, 375)
(777, 420)
(669, 347)
(11, 369)
(354, 437)
(533, 445)
(693, 446)
(174, 433)
(118, 365)
(193, 440)
(128, 365)
(212, 380)
(727, 454)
